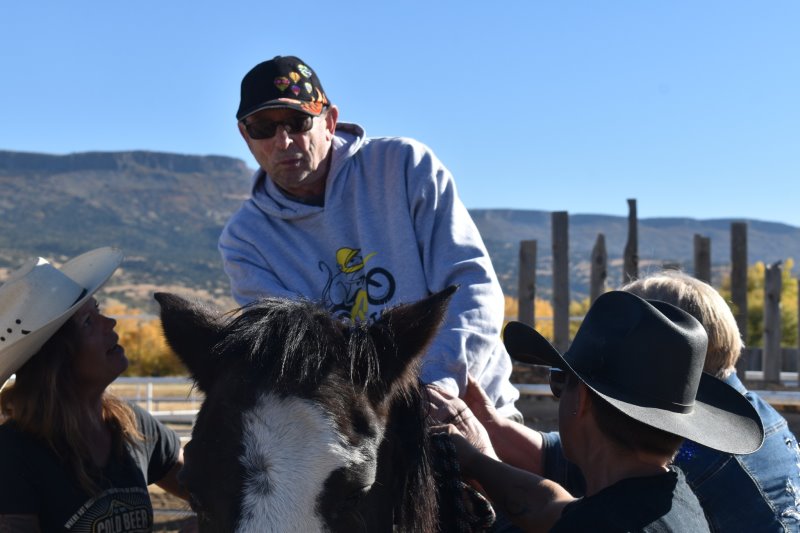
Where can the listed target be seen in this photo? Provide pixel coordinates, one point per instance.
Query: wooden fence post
(560, 229)
(739, 286)
(599, 269)
(527, 283)
(631, 258)
(702, 258)
(771, 360)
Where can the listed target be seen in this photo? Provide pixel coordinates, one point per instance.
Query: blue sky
(691, 107)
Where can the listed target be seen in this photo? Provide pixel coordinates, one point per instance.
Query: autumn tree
(543, 313)
(755, 303)
(144, 343)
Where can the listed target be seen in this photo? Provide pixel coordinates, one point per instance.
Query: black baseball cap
(282, 82)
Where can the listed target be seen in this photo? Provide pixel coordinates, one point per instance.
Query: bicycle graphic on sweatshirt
(352, 288)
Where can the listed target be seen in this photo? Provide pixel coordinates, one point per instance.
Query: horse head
(309, 423)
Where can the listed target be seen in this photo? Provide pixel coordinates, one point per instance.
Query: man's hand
(480, 404)
(513, 443)
(449, 410)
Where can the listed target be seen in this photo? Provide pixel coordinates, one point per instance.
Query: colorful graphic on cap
(304, 70)
(316, 104)
(295, 89)
(294, 76)
(308, 87)
(282, 82)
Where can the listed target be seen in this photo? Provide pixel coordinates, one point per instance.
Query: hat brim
(90, 270)
(309, 108)
(721, 417)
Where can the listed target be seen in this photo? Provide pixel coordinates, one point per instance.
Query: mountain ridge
(165, 211)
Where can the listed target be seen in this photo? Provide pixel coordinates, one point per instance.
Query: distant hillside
(166, 210)
(661, 240)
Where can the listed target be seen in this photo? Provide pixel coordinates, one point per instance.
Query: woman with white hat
(73, 457)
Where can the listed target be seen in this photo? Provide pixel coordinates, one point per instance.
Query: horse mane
(290, 342)
(295, 344)
(417, 508)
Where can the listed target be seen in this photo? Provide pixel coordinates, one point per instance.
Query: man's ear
(331, 118)
(242, 131)
(583, 400)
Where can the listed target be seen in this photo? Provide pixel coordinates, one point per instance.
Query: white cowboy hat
(38, 298)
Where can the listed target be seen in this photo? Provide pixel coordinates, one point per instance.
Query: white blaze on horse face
(291, 446)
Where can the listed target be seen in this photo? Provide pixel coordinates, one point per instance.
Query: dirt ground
(171, 513)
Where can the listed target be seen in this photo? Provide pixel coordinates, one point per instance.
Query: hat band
(612, 388)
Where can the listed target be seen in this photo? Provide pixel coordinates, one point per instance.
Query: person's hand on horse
(480, 404)
(451, 415)
(514, 443)
(466, 452)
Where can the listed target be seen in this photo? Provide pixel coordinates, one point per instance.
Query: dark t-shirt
(33, 481)
(653, 504)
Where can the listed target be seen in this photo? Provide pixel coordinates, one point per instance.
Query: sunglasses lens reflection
(261, 130)
(266, 129)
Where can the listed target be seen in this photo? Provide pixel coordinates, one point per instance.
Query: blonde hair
(702, 301)
(43, 402)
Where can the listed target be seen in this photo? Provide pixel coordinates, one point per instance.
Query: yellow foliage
(755, 303)
(577, 310)
(542, 313)
(512, 306)
(144, 343)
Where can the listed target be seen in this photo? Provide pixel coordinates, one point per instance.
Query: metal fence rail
(147, 396)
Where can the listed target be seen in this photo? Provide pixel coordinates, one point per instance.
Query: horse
(309, 422)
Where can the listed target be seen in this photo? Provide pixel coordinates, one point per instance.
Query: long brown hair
(44, 403)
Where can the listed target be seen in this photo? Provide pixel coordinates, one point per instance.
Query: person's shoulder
(137, 410)
(396, 142)
(10, 431)
(770, 417)
(143, 416)
(406, 149)
(13, 440)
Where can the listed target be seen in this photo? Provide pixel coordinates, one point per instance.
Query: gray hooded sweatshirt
(392, 230)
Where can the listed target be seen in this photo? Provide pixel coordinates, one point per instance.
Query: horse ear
(191, 332)
(403, 332)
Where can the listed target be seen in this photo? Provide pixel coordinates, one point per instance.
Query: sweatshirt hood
(347, 140)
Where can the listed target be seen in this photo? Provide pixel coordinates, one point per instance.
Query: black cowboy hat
(645, 358)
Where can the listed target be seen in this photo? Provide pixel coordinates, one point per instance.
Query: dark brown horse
(310, 423)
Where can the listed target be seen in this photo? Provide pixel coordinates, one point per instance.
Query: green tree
(755, 303)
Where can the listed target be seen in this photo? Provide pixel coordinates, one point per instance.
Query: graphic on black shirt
(351, 288)
(114, 511)
(35, 480)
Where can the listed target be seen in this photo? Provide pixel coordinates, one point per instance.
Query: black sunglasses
(266, 129)
(558, 381)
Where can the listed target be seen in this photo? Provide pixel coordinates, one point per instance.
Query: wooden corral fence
(142, 390)
(172, 400)
(772, 364)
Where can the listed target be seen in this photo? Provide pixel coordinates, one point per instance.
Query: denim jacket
(748, 493)
(755, 492)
